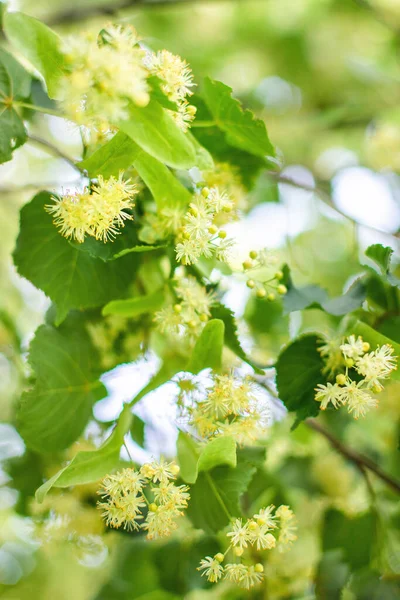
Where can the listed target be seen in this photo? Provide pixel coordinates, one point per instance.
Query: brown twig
(74, 15)
(361, 461)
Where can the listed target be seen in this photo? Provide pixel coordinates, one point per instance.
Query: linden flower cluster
(98, 212)
(124, 498)
(176, 83)
(264, 531)
(104, 74)
(226, 177)
(230, 408)
(373, 367)
(265, 288)
(190, 313)
(200, 235)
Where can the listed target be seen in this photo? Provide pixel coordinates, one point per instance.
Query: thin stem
(322, 195)
(54, 150)
(361, 461)
(42, 109)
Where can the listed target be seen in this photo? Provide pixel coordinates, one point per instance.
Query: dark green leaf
(90, 466)
(37, 43)
(231, 339)
(331, 576)
(207, 352)
(138, 431)
(298, 371)
(354, 536)
(242, 129)
(219, 490)
(381, 255)
(156, 133)
(115, 155)
(71, 278)
(57, 408)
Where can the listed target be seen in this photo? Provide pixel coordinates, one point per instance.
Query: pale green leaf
(194, 459)
(90, 466)
(241, 127)
(156, 133)
(38, 44)
(133, 307)
(207, 352)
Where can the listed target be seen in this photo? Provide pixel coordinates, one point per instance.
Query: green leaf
(331, 576)
(214, 498)
(155, 132)
(132, 307)
(312, 296)
(90, 466)
(204, 160)
(70, 277)
(56, 410)
(138, 431)
(188, 456)
(115, 155)
(193, 460)
(242, 129)
(166, 189)
(220, 451)
(14, 85)
(355, 536)
(37, 43)
(219, 311)
(120, 153)
(298, 371)
(381, 255)
(207, 352)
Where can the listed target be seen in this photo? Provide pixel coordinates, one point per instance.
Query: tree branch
(74, 15)
(361, 461)
(54, 150)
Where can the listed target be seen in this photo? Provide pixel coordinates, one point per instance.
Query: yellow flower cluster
(267, 529)
(200, 235)
(98, 212)
(229, 408)
(124, 499)
(104, 74)
(373, 367)
(190, 313)
(176, 83)
(226, 177)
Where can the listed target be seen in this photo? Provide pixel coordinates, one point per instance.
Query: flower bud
(191, 110)
(153, 507)
(253, 254)
(261, 293)
(281, 289)
(279, 275)
(203, 318)
(177, 308)
(219, 557)
(259, 568)
(250, 283)
(222, 234)
(271, 297)
(349, 362)
(365, 347)
(238, 551)
(205, 192)
(252, 526)
(192, 324)
(174, 468)
(227, 207)
(247, 264)
(213, 229)
(341, 379)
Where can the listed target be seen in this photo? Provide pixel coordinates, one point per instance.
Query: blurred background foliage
(325, 76)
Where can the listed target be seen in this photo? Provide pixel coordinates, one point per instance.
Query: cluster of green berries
(262, 287)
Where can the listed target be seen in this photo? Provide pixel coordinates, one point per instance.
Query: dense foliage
(283, 480)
